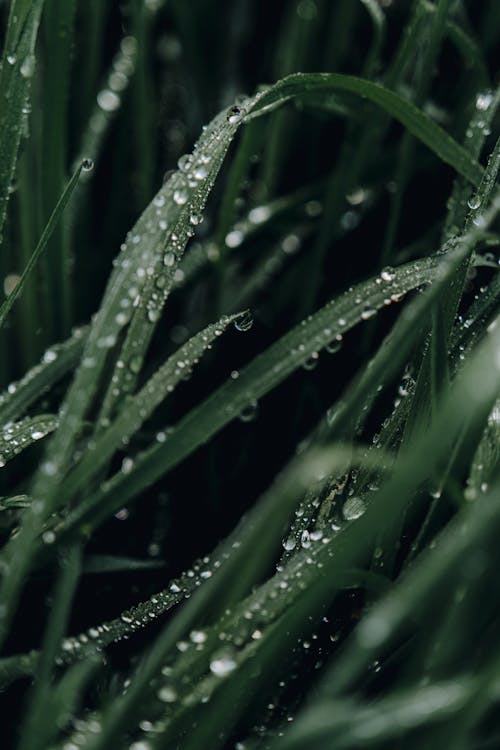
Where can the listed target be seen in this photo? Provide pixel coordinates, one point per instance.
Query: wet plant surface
(249, 374)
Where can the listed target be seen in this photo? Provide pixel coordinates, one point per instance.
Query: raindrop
(167, 694)
(245, 322)
(234, 115)
(484, 100)
(108, 100)
(87, 165)
(11, 59)
(195, 219)
(289, 544)
(185, 162)
(249, 412)
(387, 274)
(368, 312)
(353, 508)
(474, 202)
(222, 665)
(234, 238)
(200, 173)
(181, 196)
(334, 346)
(48, 537)
(311, 363)
(28, 66)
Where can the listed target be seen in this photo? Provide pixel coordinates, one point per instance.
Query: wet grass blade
(265, 372)
(47, 233)
(15, 82)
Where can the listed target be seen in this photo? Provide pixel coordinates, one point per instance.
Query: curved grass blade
(415, 121)
(264, 373)
(42, 243)
(179, 206)
(14, 438)
(55, 363)
(135, 279)
(142, 405)
(352, 544)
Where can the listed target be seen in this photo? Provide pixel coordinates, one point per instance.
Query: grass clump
(250, 375)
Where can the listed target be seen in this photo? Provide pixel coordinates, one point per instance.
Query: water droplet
(108, 100)
(367, 312)
(222, 665)
(311, 363)
(200, 173)
(305, 539)
(28, 66)
(354, 507)
(484, 100)
(87, 165)
(167, 694)
(388, 274)
(195, 219)
(11, 59)
(198, 636)
(234, 238)
(245, 322)
(185, 162)
(181, 196)
(289, 544)
(334, 346)
(474, 202)
(234, 115)
(127, 465)
(48, 537)
(249, 412)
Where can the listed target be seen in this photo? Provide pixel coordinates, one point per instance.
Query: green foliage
(283, 536)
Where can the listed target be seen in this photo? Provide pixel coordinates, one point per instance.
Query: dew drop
(222, 665)
(234, 115)
(474, 202)
(354, 507)
(167, 694)
(311, 363)
(484, 100)
(334, 346)
(108, 100)
(289, 544)
(185, 162)
(244, 323)
(388, 274)
(28, 66)
(249, 412)
(87, 165)
(180, 196)
(367, 312)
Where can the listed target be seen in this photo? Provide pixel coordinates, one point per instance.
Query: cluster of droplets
(17, 436)
(109, 98)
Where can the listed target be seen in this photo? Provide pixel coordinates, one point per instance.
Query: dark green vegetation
(265, 514)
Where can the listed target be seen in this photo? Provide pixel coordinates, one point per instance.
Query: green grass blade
(47, 233)
(56, 362)
(16, 437)
(414, 120)
(15, 83)
(141, 406)
(264, 373)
